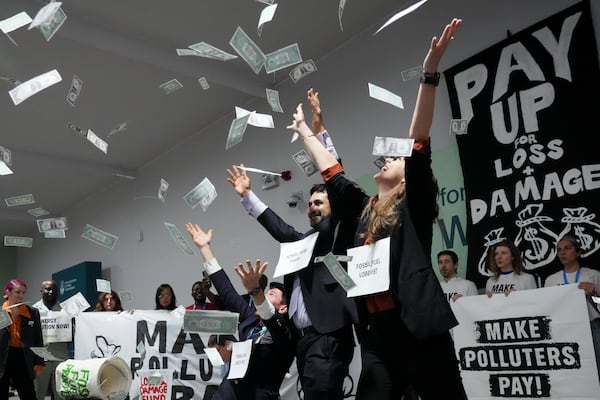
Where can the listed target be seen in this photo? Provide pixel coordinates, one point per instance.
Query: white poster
(164, 346)
(56, 327)
(530, 344)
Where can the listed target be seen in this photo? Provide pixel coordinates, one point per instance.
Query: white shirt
(458, 285)
(510, 281)
(585, 275)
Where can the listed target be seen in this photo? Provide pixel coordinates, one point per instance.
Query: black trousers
(393, 359)
(323, 361)
(16, 372)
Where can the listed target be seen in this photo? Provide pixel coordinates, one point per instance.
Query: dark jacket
(268, 362)
(326, 301)
(413, 284)
(31, 336)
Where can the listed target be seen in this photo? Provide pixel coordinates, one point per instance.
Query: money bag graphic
(536, 241)
(491, 239)
(580, 224)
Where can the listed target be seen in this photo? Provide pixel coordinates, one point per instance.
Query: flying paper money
(27, 89)
(307, 67)
(50, 27)
(50, 224)
(15, 22)
(5, 155)
(305, 162)
(97, 141)
(19, 200)
(75, 90)
(401, 14)
(170, 86)
(273, 100)
(256, 119)
(179, 238)
(18, 241)
(206, 50)
(248, 50)
(100, 237)
(211, 321)
(266, 15)
(385, 95)
(282, 58)
(392, 147)
(203, 83)
(162, 190)
(236, 131)
(203, 193)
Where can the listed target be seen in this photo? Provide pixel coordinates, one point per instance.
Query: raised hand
(298, 122)
(200, 238)
(250, 277)
(438, 46)
(238, 178)
(315, 106)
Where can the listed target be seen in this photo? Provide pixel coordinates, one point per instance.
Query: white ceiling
(123, 50)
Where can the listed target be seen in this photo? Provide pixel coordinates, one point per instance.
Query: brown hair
(382, 215)
(102, 296)
(517, 263)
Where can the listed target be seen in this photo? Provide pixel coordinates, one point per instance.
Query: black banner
(530, 161)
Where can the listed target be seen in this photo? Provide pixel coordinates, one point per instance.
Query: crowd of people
(403, 333)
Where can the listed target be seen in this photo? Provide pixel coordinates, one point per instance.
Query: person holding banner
(508, 273)
(165, 297)
(272, 350)
(404, 330)
(47, 304)
(587, 279)
(109, 302)
(453, 286)
(322, 315)
(18, 364)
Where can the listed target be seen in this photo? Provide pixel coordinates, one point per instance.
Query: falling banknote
(248, 50)
(98, 236)
(338, 272)
(27, 89)
(307, 67)
(203, 194)
(211, 321)
(392, 147)
(178, 238)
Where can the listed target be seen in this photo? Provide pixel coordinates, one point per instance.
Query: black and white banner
(530, 344)
(530, 166)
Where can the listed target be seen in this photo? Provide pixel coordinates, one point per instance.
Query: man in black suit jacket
(320, 310)
(272, 348)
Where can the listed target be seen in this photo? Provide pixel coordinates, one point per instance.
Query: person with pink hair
(18, 364)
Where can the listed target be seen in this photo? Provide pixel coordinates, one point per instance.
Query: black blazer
(31, 336)
(326, 301)
(268, 362)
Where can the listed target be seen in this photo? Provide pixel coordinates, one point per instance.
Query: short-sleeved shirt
(585, 275)
(522, 281)
(458, 285)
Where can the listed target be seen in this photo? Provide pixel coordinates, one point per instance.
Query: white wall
(351, 116)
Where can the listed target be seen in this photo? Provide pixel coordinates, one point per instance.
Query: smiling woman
(15, 343)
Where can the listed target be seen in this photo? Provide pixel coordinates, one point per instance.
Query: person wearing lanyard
(587, 279)
(266, 324)
(18, 364)
(201, 292)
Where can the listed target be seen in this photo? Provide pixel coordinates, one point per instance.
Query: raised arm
(315, 106)
(323, 158)
(423, 114)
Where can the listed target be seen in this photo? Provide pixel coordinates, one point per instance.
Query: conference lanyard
(576, 276)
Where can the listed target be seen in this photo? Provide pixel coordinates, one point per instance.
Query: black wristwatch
(430, 78)
(254, 291)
